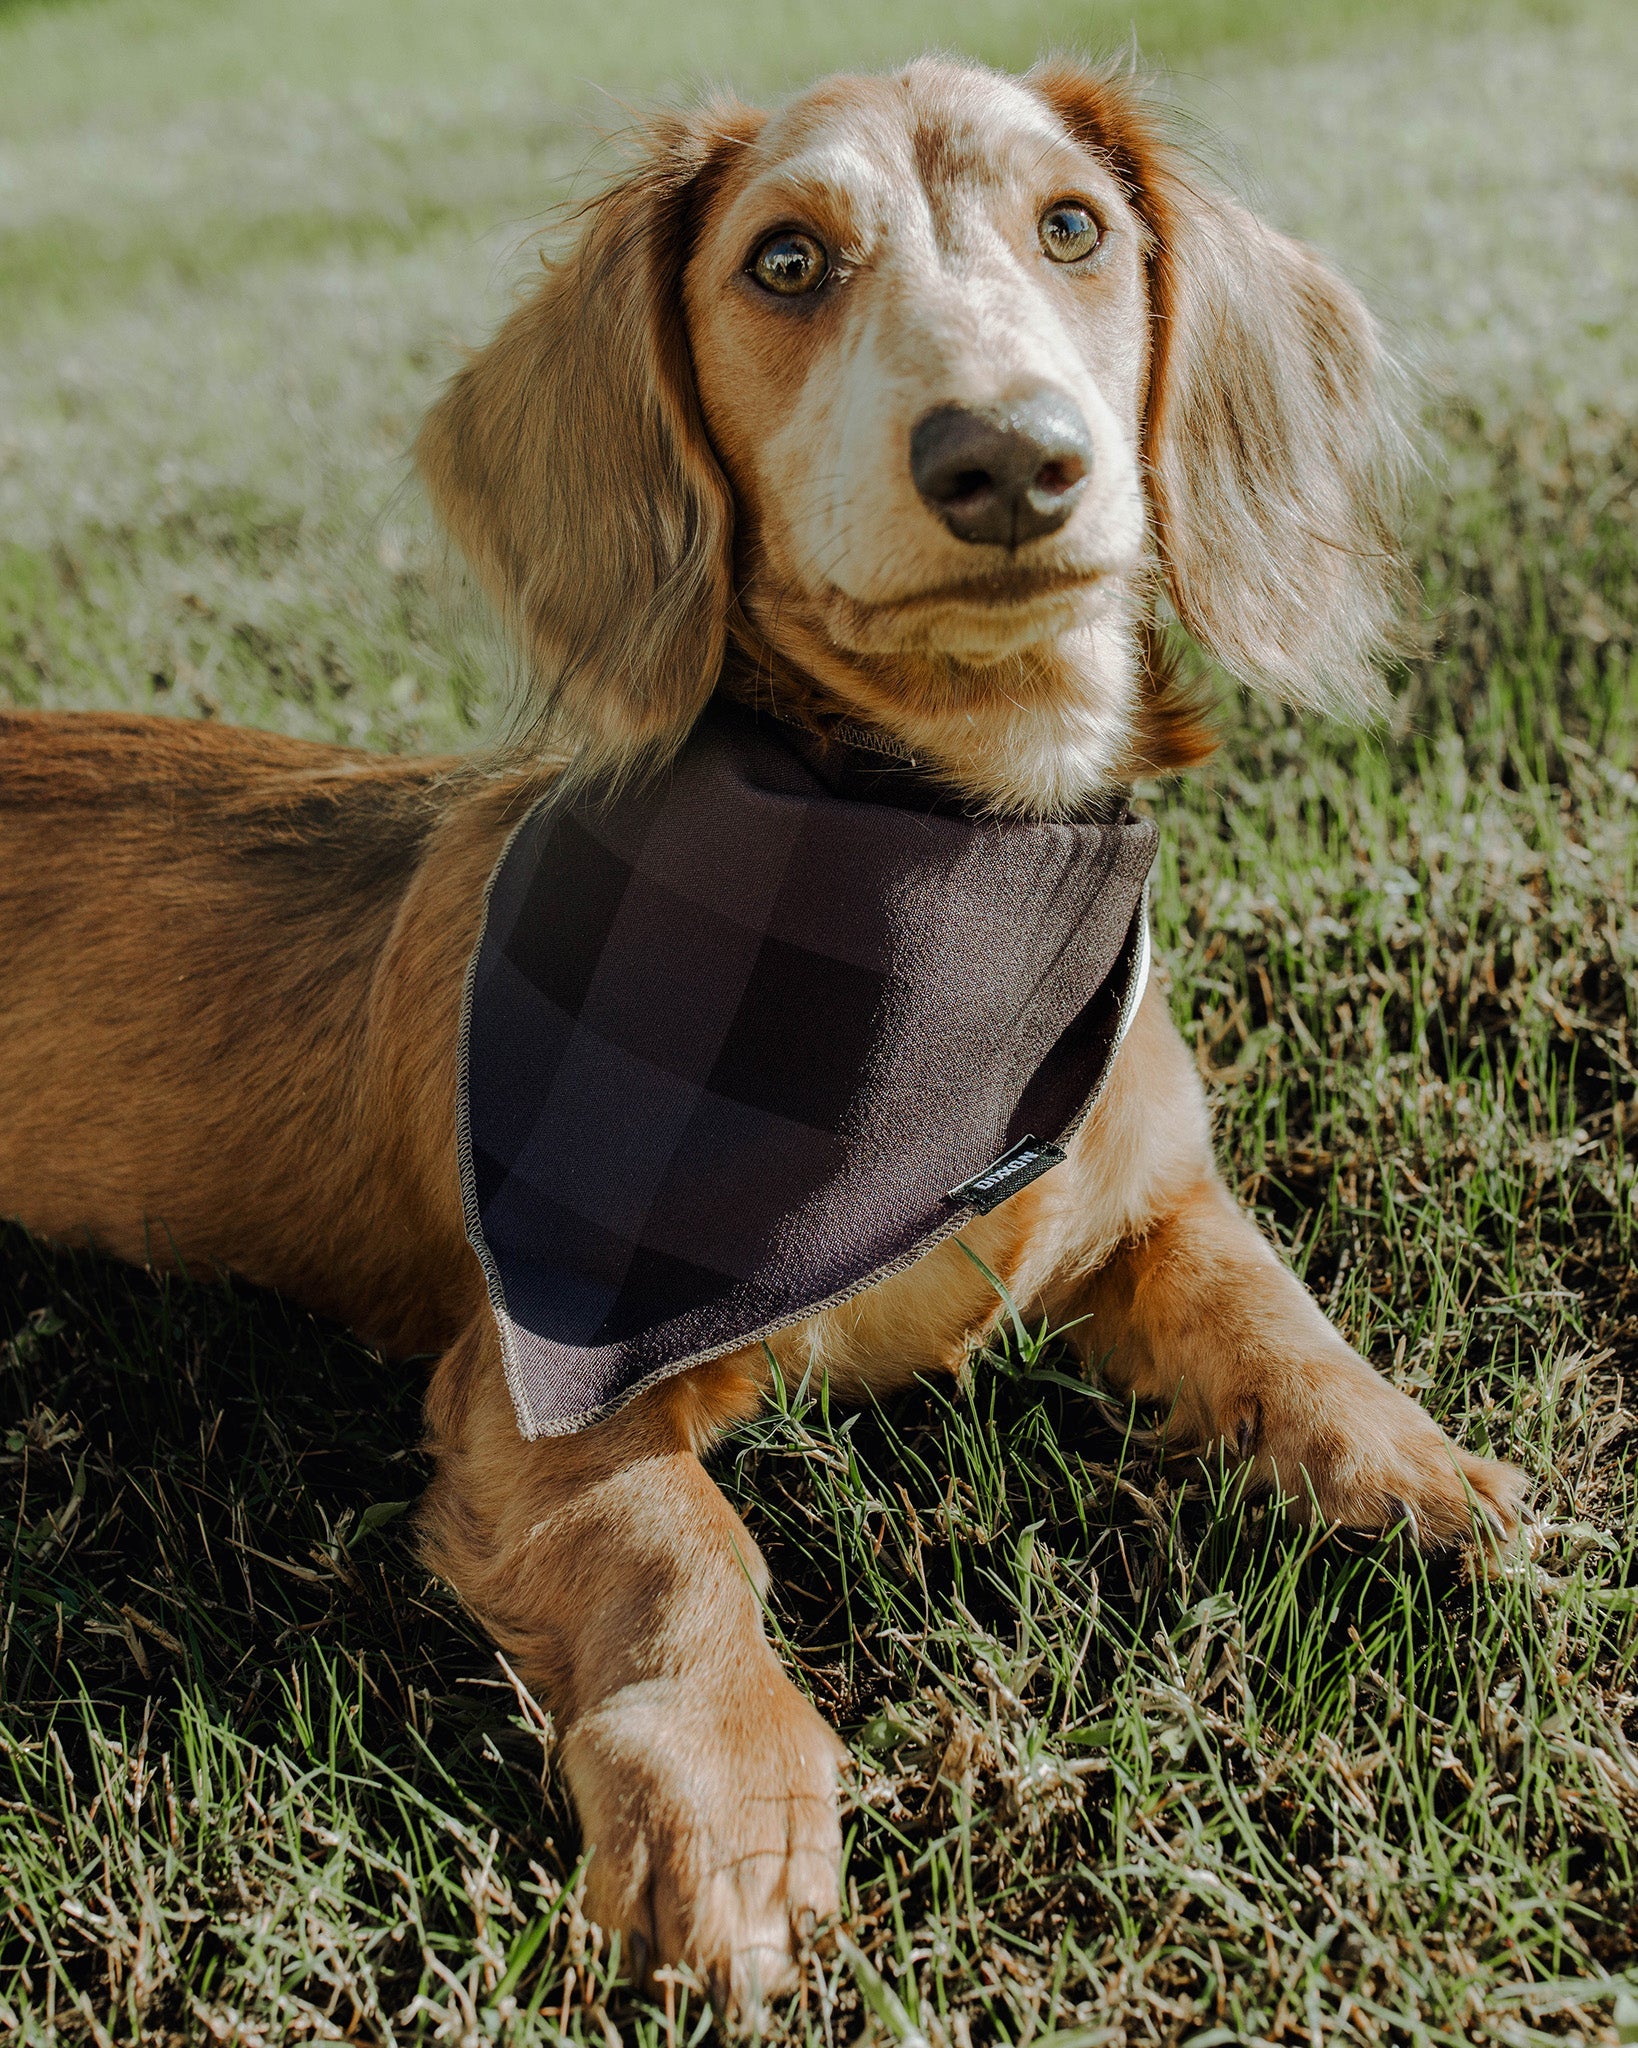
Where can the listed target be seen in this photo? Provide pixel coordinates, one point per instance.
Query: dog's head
(917, 391)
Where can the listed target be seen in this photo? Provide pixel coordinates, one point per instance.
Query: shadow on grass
(210, 1555)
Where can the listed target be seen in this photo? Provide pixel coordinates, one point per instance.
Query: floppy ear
(1275, 461)
(569, 461)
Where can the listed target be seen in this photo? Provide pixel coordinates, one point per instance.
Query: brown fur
(233, 963)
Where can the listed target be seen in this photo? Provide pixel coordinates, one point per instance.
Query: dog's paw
(1346, 1446)
(710, 1808)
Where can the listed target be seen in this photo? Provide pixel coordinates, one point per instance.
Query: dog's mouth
(1007, 585)
(987, 616)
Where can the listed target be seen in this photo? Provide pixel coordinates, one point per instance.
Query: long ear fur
(1275, 461)
(569, 461)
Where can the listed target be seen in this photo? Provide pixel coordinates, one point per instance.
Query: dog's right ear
(570, 462)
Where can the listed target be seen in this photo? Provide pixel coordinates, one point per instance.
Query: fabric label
(1015, 1169)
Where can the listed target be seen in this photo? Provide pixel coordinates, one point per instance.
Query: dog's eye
(1069, 231)
(790, 263)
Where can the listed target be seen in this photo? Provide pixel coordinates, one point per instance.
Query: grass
(1134, 1759)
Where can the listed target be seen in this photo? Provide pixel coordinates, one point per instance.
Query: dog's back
(190, 920)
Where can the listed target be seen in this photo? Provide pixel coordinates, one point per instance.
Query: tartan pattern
(730, 1038)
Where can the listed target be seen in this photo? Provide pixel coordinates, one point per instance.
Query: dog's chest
(743, 1042)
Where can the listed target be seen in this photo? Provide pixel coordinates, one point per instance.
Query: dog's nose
(1005, 473)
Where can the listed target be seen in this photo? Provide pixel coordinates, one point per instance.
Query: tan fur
(233, 963)
(1274, 464)
(569, 459)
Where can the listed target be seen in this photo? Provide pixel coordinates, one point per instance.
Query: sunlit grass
(112, 62)
(1135, 1759)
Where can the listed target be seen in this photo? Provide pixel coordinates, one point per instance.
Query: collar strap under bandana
(751, 1037)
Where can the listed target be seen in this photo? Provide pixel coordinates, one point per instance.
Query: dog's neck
(1039, 734)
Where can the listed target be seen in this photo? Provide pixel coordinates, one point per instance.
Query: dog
(910, 406)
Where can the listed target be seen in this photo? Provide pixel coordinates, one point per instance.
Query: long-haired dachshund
(907, 408)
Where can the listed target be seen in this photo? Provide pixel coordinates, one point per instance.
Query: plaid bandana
(750, 1037)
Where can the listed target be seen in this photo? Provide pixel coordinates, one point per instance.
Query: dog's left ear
(1274, 458)
(570, 462)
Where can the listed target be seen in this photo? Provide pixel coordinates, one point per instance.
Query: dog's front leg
(623, 1586)
(1188, 1307)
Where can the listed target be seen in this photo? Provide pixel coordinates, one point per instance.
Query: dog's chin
(983, 622)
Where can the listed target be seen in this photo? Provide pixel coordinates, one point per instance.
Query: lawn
(1136, 1760)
